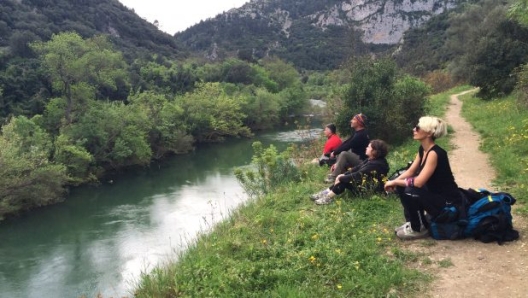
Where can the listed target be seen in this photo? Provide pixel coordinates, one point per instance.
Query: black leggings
(417, 200)
(341, 187)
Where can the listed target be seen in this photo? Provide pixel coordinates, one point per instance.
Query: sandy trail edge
(479, 269)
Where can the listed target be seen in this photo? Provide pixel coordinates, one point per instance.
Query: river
(102, 238)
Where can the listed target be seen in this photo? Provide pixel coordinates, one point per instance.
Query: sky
(177, 15)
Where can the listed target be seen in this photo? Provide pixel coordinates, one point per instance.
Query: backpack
(451, 222)
(482, 215)
(399, 171)
(489, 218)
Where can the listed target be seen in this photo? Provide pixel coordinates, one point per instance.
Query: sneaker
(407, 233)
(329, 179)
(325, 200)
(317, 196)
(401, 227)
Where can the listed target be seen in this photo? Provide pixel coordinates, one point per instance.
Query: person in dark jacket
(369, 175)
(428, 185)
(352, 151)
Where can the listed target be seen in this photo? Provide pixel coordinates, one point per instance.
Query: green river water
(102, 238)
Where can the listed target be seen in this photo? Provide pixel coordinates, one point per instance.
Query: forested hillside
(27, 20)
(312, 34)
(24, 87)
(480, 43)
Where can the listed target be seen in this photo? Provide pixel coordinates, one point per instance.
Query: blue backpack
(482, 215)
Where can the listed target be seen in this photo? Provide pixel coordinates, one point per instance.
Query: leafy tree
(28, 178)
(25, 89)
(392, 102)
(262, 109)
(284, 74)
(167, 131)
(113, 133)
(211, 115)
(80, 66)
(519, 11)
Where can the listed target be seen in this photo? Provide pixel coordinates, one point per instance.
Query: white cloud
(177, 15)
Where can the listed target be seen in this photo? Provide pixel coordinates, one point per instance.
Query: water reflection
(102, 238)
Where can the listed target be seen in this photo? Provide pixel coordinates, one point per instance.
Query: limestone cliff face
(312, 34)
(382, 21)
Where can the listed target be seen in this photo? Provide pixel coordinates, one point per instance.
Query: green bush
(271, 170)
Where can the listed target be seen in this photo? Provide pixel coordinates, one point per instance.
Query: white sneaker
(319, 195)
(407, 233)
(325, 200)
(401, 227)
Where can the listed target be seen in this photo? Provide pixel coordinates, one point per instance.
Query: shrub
(522, 85)
(272, 170)
(439, 81)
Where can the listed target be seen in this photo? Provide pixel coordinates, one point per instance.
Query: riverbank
(283, 245)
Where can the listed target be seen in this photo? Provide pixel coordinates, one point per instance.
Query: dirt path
(478, 269)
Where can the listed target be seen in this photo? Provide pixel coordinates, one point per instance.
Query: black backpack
(399, 171)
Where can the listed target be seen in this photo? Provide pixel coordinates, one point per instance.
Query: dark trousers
(341, 187)
(417, 200)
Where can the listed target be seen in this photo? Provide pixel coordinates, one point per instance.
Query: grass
(282, 245)
(503, 126)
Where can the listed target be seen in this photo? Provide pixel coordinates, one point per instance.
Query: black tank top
(442, 181)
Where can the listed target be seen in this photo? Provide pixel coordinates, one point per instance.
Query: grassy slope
(282, 245)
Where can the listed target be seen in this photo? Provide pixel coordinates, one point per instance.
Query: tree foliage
(391, 101)
(80, 69)
(28, 178)
(477, 43)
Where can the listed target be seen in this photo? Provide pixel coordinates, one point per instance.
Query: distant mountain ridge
(309, 28)
(39, 19)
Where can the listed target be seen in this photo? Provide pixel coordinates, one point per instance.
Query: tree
(519, 11)
(211, 115)
(392, 102)
(284, 74)
(78, 68)
(167, 131)
(28, 178)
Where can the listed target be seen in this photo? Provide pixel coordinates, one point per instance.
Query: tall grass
(282, 245)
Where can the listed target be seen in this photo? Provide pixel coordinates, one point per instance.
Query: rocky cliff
(300, 30)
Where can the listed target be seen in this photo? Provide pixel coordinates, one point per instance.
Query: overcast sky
(177, 15)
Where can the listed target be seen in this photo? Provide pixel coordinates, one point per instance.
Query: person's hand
(389, 186)
(337, 179)
(332, 168)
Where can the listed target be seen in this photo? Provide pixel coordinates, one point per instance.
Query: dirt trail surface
(478, 269)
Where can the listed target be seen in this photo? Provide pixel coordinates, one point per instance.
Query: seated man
(333, 142)
(352, 151)
(367, 176)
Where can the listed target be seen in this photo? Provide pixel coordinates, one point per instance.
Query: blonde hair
(434, 125)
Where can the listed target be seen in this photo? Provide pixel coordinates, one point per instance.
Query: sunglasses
(417, 128)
